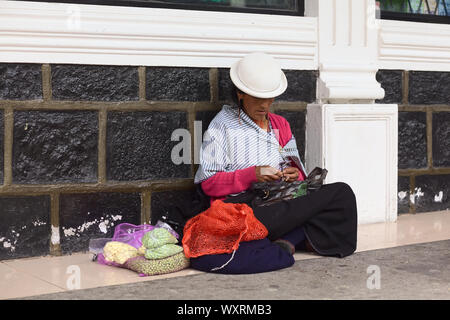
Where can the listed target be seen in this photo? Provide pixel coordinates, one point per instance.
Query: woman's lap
(283, 216)
(327, 217)
(324, 213)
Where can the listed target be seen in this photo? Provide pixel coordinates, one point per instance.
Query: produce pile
(147, 250)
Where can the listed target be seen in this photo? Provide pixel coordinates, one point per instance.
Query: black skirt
(328, 216)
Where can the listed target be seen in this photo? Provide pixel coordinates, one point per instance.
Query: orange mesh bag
(220, 228)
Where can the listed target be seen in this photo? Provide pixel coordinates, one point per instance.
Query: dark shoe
(285, 245)
(309, 247)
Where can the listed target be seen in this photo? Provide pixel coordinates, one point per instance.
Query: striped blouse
(232, 147)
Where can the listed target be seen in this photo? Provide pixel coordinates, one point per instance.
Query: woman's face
(256, 108)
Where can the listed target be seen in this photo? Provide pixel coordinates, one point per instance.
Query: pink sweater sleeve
(301, 175)
(284, 135)
(224, 183)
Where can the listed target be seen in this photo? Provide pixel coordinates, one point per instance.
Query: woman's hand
(267, 173)
(290, 174)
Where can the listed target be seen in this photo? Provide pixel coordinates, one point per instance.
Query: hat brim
(266, 94)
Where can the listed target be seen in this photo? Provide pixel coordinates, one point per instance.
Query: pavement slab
(410, 272)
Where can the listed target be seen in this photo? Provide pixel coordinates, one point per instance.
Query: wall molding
(407, 45)
(347, 51)
(39, 32)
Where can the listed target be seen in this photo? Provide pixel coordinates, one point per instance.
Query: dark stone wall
(162, 202)
(94, 83)
(423, 137)
(20, 81)
(92, 144)
(429, 87)
(403, 194)
(93, 216)
(178, 84)
(301, 86)
(225, 86)
(55, 146)
(2, 133)
(139, 145)
(432, 192)
(24, 226)
(391, 82)
(441, 139)
(412, 140)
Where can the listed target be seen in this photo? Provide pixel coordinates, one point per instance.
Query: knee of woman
(345, 188)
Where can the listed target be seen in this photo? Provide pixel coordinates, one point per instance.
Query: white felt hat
(258, 75)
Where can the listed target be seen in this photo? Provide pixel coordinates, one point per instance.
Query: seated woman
(246, 143)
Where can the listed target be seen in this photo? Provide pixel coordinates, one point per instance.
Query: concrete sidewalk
(419, 271)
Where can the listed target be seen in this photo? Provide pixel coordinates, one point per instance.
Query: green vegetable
(157, 238)
(147, 267)
(164, 251)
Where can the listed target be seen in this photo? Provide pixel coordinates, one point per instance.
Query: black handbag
(267, 193)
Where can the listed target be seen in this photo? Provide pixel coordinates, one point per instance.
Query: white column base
(357, 144)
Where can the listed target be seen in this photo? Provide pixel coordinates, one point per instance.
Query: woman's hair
(234, 91)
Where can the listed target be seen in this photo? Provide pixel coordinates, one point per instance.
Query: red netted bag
(220, 228)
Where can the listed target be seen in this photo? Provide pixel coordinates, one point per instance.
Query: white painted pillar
(346, 132)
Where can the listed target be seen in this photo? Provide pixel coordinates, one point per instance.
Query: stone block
(432, 193)
(429, 87)
(301, 86)
(177, 84)
(20, 81)
(441, 139)
(139, 145)
(25, 227)
(391, 82)
(225, 86)
(94, 215)
(55, 146)
(2, 139)
(412, 140)
(95, 83)
(403, 194)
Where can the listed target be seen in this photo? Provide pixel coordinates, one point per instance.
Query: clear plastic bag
(96, 246)
(127, 233)
(161, 224)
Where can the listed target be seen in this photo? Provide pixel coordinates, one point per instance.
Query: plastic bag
(164, 251)
(157, 238)
(131, 234)
(146, 267)
(127, 233)
(161, 224)
(96, 245)
(119, 252)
